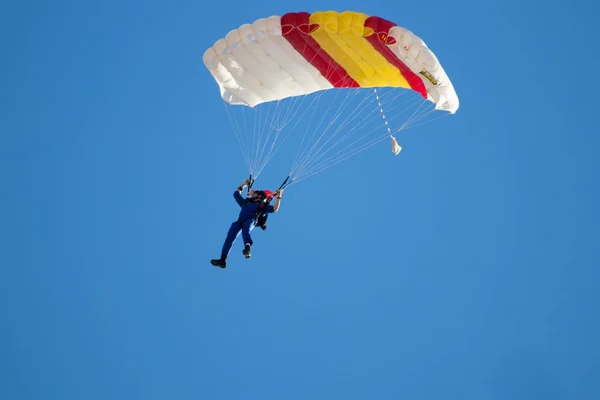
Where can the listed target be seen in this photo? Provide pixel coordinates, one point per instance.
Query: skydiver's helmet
(262, 195)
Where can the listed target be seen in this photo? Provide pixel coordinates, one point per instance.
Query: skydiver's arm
(237, 194)
(276, 205)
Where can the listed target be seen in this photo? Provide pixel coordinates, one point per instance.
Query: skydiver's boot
(221, 262)
(246, 251)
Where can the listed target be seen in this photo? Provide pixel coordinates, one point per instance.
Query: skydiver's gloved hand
(279, 193)
(243, 185)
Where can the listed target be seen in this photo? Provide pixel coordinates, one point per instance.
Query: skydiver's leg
(248, 226)
(234, 231)
(232, 234)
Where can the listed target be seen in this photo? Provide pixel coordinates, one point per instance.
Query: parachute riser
(285, 183)
(282, 186)
(251, 182)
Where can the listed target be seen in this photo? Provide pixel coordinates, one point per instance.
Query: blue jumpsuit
(245, 222)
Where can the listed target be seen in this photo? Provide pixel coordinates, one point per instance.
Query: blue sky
(464, 268)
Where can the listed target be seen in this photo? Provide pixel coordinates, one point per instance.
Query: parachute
(341, 79)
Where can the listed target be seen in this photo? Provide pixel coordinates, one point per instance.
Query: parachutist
(253, 209)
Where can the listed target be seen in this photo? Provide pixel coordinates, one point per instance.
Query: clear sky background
(464, 268)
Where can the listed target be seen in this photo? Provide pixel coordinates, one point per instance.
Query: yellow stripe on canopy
(342, 36)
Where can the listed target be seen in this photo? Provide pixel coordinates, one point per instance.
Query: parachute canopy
(301, 53)
(278, 75)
